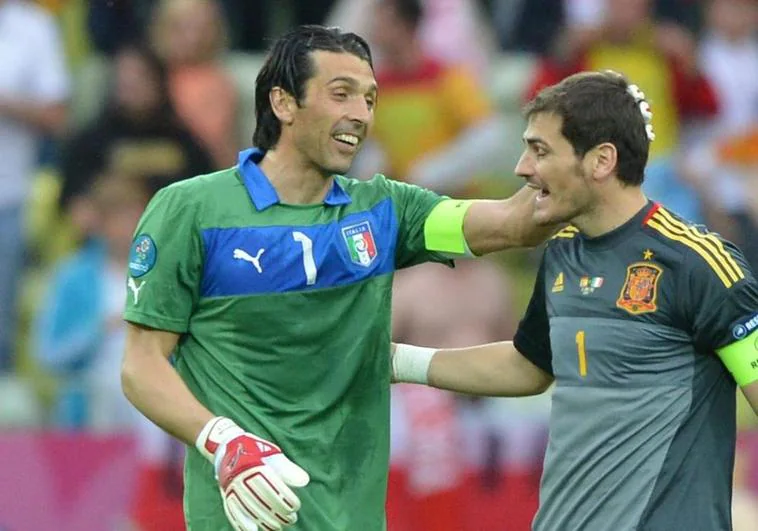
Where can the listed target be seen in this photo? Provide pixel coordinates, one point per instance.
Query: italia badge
(360, 243)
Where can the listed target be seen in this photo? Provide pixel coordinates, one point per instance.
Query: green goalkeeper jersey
(284, 317)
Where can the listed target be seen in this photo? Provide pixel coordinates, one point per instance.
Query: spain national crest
(638, 295)
(360, 243)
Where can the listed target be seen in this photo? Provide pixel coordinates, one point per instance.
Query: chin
(339, 168)
(547, 217)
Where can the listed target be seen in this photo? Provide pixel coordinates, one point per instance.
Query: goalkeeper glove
(254, 477)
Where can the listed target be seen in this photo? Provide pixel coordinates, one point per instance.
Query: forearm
(497, 225)
(152, 385)
(494, 369)
(46, 117)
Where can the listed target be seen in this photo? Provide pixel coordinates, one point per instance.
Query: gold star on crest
(647, 254)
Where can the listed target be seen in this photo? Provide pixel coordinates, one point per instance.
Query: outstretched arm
(496, 225)
(493, 369)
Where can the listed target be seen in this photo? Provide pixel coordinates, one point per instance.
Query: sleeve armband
(443, 229)
(741, 358)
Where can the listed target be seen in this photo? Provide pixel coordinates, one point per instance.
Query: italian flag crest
(360, 243)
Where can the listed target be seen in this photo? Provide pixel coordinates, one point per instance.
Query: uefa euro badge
(360, 243)
(142, 255)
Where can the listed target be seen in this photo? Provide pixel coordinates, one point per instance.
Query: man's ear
(604, 161)
(283, 104)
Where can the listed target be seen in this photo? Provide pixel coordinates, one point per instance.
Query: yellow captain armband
(741, 358)
(443, 228)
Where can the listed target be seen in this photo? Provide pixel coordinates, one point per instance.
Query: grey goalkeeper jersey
(642, 431)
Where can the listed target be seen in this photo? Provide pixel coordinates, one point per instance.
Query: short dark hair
(597, 107)
(289, 65)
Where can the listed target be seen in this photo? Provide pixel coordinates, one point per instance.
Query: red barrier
(66, 482)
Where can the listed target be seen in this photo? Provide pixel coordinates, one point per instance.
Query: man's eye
(341, 95)
(370, 102)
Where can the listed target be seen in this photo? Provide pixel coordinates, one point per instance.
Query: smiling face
(549, 164)
(335, 115)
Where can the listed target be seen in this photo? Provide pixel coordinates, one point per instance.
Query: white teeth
(350, 139)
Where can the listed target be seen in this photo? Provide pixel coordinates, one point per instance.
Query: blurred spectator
(528, 25)
(434, 125)
(470, 464)
(113, 24)
(729, 59)
(79, 334)
(33, 91)
(138, 134)
(660, 58)
(191, 37)
(723, 162)
(80, 338)
(448, 31)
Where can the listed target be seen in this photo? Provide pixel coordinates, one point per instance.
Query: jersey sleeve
(532, 338)
(165, 263)
(720, 294)
(413, 205)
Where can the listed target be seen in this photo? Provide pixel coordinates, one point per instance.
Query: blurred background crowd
(102, 102)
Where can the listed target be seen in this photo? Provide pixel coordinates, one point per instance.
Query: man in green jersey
(271, 283)
(637, 315)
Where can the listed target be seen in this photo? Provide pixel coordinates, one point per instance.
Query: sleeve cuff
(177, 326)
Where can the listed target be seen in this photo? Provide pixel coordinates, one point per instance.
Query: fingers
(261, 495)
(291, 474)
(270, 490)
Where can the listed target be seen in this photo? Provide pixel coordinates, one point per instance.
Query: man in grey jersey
(645, 323)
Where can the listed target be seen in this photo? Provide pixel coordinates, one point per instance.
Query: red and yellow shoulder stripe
(707, 245)
(566, 232)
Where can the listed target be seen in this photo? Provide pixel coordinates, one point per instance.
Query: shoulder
(703, 253)
(378, 186)
(193, 194)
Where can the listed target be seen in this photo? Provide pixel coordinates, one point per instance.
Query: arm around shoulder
(493, 369)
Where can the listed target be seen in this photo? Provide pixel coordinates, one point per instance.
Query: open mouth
(347, 139)
(543, 192)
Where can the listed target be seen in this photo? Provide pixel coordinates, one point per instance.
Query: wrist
(411, 364)
(216, 433)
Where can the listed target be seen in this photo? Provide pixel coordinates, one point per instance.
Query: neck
(296, 182)
(612, 211)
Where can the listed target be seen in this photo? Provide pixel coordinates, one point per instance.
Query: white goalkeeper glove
(254, 477)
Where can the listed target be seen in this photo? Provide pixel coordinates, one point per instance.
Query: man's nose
(525, 166)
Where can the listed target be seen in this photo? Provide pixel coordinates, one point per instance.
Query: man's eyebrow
(352, 82)
(535, 140)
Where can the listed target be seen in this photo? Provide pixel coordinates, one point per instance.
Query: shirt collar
(263, 194)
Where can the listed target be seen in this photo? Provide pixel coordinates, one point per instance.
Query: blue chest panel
(278, 259)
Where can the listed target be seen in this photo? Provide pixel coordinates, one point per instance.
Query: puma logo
(132, 285)
(239, 254)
